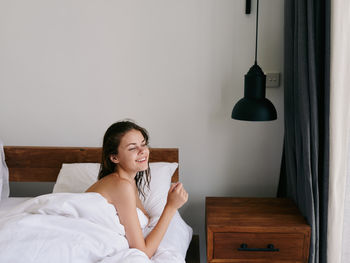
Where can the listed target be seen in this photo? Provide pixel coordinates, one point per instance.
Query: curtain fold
(339, 185)
(305, 161)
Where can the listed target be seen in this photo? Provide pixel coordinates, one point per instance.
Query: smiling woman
(44, 164)
(123, 175)
(130, 137)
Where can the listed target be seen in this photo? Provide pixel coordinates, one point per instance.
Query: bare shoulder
(102, 184)
(123, 192)
(112, 188)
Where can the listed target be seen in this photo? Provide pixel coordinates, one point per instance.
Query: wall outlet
(272, 80)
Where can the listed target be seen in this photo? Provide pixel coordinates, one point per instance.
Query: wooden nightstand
(255, 230)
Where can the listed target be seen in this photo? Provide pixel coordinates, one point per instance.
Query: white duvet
(76, 228)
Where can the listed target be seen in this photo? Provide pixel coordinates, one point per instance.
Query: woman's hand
(177, 196)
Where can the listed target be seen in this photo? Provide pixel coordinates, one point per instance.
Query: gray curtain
(305, 161)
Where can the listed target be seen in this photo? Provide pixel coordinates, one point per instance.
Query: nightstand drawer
(286, 246)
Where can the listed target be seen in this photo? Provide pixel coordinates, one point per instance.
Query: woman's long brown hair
(111, 141)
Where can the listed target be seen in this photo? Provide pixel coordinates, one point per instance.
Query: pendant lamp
(254, 106)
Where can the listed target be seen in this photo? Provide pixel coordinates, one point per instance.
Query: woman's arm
(125, 202)
(177, 196)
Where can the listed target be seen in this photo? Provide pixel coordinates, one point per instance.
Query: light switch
(272, 80)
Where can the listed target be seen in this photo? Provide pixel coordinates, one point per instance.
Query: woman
(124, 173)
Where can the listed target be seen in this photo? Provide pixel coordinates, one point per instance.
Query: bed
(43, 164)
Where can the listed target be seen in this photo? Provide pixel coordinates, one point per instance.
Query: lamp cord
(256, 33)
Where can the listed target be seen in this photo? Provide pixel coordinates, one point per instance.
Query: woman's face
(133, 152)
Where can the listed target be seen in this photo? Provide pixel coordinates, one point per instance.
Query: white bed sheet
(8, 203)
(169, 251)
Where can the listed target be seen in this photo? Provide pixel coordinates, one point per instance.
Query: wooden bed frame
(42, 164)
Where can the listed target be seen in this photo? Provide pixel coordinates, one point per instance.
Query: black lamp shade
(254, 106)
(254, 110)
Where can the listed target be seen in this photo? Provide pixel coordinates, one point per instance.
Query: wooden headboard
(42, 164)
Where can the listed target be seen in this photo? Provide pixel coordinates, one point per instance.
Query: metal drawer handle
(270, 248)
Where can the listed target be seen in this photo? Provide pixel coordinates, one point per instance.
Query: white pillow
(4, 175)
(156, 197)
(77, 177)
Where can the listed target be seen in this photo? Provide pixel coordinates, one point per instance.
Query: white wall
(70, 68)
